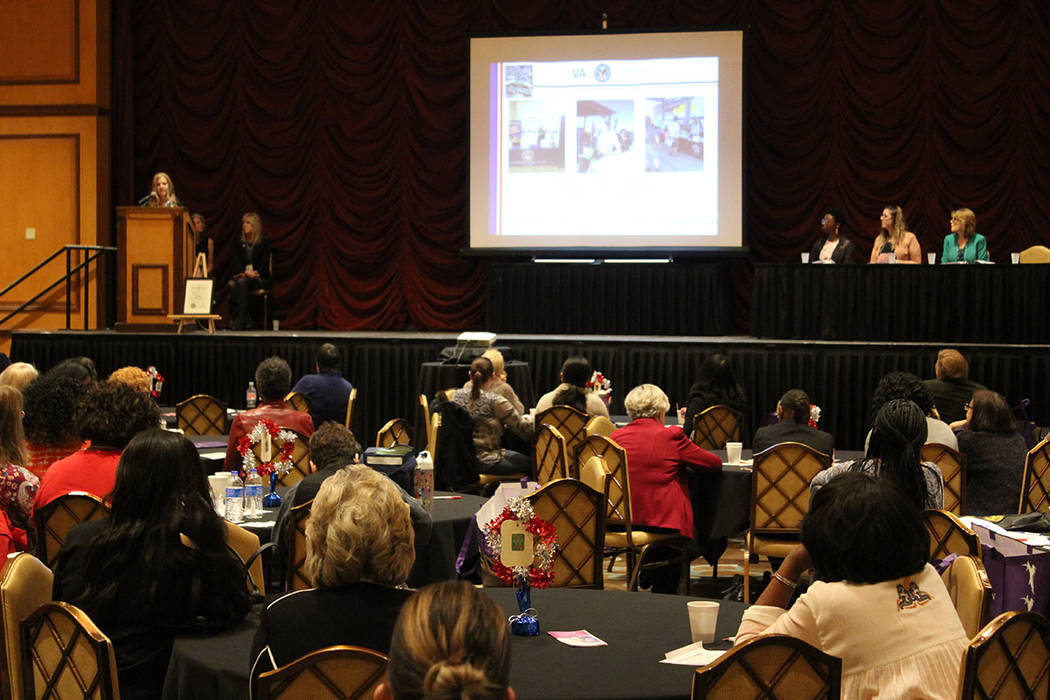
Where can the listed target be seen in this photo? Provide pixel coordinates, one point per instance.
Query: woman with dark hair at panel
(715, 386)
(51, 433)
(902, 385)
(18, 487)
(252, 265)
(451, 642)
(876, 602)
(895, 239)
(492, 413)
(964, 244)
(162, 192)
(575, 373)
(995, 453)
(832, 246)
(134, 573)
(894, 454)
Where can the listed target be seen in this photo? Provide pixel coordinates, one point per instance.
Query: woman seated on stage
(893, 454)
(964, 244)
(451, 641)
(252, 263)
(894, 237)
(162, 193)
(715, 386)
(491, 414)
(995, 453)
(202, 244)
(876, 602)
(499, 384)
(134, 573)
(573, 391)
(359, 551)
(657, 460)
(832, 247)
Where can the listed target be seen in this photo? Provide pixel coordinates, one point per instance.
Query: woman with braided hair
(893, 454)
(492, 413)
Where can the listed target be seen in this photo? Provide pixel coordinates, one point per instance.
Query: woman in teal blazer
(964, 244)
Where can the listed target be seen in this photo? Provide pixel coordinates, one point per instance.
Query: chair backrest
(1035, 254)
(432, 439)
(571, 423)
(780, 486)
(25, 585)
(1009, 658)
(771, 667)
(614, 461)
(350, 407)
(244, 543)
(300, 457)
(295, 574)
(1035, 486)
(298, 401)
(424, 411)
(715, 426)
(599, 425)
(202, 415)
(577, 513)
(949, 535)
(952, 464)
(65, 655)
(397, 431)
(57, 518)
(970, 590)
(335, 672)
(550, 453)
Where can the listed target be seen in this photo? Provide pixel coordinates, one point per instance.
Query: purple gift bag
(1019, 581)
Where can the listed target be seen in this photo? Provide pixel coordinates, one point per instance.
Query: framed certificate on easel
(198, 296)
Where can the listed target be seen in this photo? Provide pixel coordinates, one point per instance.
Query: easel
(200, 271)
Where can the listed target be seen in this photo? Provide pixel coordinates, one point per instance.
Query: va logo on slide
(602, 73)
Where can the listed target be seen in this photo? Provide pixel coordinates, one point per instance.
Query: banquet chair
(25, 585)
(295, 574)
(66, 655)
(1009, 658)
(300, 457)
(771, 667)
(350, 407)
(245, 544)
(396, 432)
(949, 535)
(599, 425)
(57, 518)
(551, 454)
(298, 401)
(1035, 254)
(779, 500)
(571, 423)
(338, 672)
(432, 434)
(202, 415)
(263, 294)
(715, 426)
(953, 469)
(424, 414)
(1035, 486)
(970, 590)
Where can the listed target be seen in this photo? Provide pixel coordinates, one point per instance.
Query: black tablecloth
(940, 303)
(437, 560)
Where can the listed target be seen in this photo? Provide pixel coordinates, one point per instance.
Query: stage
(385, 367)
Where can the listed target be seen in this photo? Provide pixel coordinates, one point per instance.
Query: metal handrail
(95, 251)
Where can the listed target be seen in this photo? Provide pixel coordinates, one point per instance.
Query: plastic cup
(217, 483)
(1015, 258)
(276, 325)
(892, 259)
(931, 258)
(703, 617)
(733, 452)
(805, 258)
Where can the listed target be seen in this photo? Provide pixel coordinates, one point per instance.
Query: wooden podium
(154, 255)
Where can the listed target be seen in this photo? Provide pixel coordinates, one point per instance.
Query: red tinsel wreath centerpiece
(539, 574)
(279, 462)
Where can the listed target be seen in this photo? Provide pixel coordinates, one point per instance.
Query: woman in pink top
(894, 237)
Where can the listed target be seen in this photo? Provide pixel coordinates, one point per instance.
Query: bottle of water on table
(253, 494)
(251, 397)
(235, 498)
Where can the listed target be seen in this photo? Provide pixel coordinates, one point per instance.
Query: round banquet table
(436, 561)
(638, 628)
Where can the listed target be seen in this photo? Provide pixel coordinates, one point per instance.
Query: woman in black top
(252, 265)
(715, 386)
(995, 454)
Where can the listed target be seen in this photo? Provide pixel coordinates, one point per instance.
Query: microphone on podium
(151, 197)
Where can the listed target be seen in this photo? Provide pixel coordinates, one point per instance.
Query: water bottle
(424, 480)
(253, 494)
(250, 396)
(234, 498)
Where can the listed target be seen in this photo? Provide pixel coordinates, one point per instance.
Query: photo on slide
(604, 136)
(674, 134)
(536, 135)
(519, 81)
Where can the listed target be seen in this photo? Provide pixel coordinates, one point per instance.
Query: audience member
(575, 373)
(109, 415)
(500, 385)
(902, 385)
(359, 550)
(80, 368)
(894, 453)
(492, 413)
(18, 375)
(793, 415)
(657, 460)
(51, 432)
(451, 641)
(18, 486)
(876, 604)
(327, 390)
(715, 386)
(995, 453)
(135, 575)
(135, 377)
(952, 388)
(273, 378)
(831, 246)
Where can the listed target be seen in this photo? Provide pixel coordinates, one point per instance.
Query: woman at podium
(252, 265)
(162, 193)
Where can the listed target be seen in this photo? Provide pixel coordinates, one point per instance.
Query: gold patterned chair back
(970, 590)
(715, 426)
(65, 655)
(780, 486)
(614, 460)
(243, 543)
(572, 425)
(350, 407)
(600, 425)
(550, 453)
(298, 401)
(1035, 486)
(772, 667)
(339, 673)
(57, 518)
(577, 513)
(25, 585)
(295, 574)
(202, 415)
(300, 457)
(953, 468)
(397, 431)
(1009, 658)
(949, 535)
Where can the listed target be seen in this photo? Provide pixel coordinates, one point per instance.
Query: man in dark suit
(952, 389)
(793, 414)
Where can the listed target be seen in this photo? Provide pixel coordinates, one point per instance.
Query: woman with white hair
(657, 459)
